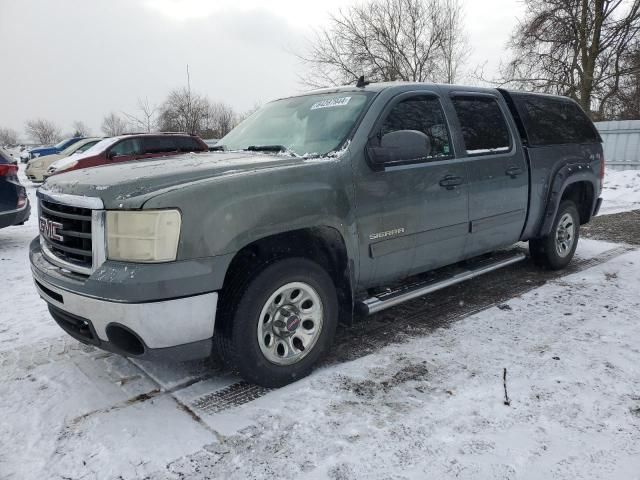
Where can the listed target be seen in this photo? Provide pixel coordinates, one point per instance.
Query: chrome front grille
(71, 233)
(71, 240)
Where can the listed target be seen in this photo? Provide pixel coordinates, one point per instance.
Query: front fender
(221, 216)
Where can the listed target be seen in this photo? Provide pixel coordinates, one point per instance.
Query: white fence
(621, 143)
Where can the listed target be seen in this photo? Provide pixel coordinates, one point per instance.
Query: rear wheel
(556, 250)
(280, 322)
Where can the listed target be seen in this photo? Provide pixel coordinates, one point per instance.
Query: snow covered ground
(621, 192)
(431, 406)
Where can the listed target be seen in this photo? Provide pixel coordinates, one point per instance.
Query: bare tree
(80, 129)
(184, 111)
(8, 136)
(221, 118)
(626, 103)
(113, 125)
(388, 40)
(247, 113)
(42, 131)
(455, 43)
(574, 48)
(146, 117)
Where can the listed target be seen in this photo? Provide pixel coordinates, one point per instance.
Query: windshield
(101, 146)
(71, 148)
(86, 146)
(306, 125)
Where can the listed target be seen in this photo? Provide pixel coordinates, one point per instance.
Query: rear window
(554, 121)
(189, 144)
(484, 128)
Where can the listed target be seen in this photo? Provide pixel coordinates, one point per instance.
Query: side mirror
(397, 147)
(111, 155)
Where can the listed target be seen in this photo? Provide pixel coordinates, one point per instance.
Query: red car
(125, 148)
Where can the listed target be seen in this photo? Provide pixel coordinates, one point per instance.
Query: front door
(413, 214)
(498, 177)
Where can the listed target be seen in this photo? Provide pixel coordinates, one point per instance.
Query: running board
(395, 297)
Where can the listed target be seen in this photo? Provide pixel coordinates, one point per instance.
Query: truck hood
(130, 184)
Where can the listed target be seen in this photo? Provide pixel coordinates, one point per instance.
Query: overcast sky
(68, 60)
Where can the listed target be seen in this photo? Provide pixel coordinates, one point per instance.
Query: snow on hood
(137, 180)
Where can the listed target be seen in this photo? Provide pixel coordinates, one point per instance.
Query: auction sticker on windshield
(331, 102)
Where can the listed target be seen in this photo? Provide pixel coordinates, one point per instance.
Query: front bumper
(35, 174)
(177, 328)
(15, 217)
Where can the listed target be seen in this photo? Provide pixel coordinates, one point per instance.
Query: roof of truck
(380, 86)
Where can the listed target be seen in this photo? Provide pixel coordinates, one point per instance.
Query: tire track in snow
(415, 318)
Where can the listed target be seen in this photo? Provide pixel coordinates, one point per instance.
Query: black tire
(237, 334)
(543, 250)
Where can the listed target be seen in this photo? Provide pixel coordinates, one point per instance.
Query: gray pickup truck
(318, 207)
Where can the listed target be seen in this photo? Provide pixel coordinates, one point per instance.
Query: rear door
(412, 216)
(497, 169)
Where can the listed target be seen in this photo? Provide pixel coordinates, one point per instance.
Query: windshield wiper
(270, 148)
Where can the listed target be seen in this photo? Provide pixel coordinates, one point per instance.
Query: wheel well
(323, 245)
(581, 193)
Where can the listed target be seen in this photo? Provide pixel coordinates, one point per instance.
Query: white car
(37, 167)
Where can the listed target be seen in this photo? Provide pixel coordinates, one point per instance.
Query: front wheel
(283, 321)
(556, 250)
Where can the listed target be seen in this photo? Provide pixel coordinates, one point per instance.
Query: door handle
(450, 182)
(513, 172)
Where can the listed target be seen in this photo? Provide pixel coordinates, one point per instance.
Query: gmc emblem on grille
(50, 229)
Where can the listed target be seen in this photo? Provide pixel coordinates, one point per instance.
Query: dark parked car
(8, 156)
(318, 206)
(57, 148)
(126, 148)
(211, 143)
(14, 204)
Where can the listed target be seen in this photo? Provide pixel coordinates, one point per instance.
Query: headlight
(146, 236)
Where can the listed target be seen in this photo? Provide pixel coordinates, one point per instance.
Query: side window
(423, 114)
(130, 146)
(160, 144)
(484, 128)
(554, 121)
(188, 144)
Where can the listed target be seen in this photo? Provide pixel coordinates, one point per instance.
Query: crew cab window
(131, 146)
(484, 128)
(554, 121)
(160, 144)
(423, 114)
